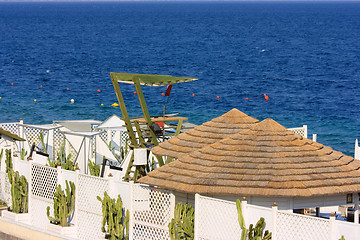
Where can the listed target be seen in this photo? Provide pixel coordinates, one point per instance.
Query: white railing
(302, 131)
(218, 219)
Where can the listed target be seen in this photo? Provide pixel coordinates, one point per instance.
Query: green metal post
(178, 128)
(124, 111)
(144, 108)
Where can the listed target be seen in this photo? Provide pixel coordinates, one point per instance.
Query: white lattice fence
(43, 184)
(89, 208)
(11, 127)
(33, 134)
(151, 212)
(5, 188)
(217, 219)
(302, 131)
(58, 139)
(300, 227)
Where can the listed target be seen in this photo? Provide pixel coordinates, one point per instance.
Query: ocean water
(304, 55)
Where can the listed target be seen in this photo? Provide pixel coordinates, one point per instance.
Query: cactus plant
(8, 160)
(251, 233)
(1, 155)
(113, 218)
(19, 192)
(182, 225)
(64, 203)
(23, 154)
(342, 238)
(94, 168)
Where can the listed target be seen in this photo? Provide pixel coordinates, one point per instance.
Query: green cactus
(64, 203)
(23, 154)
(1, 155)
(251, 233)
(8, 160)
(94, 168)
(41, 138)
(182, 225)
(113, 218)
(342, 238)
(19, 192)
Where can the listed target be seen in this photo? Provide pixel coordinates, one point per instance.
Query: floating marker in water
(102, 104)
(48, 71)
(72, 100)
(40, 86)
(68, 89)
(218, 97)
(12, 84)
(99, 90)
(134, 92)
(162, 94)
(193, 95)
(34, 100)
(266, 97)
(0, 98)
(115, 104)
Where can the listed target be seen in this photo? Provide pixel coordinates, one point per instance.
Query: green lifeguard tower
(147, 136)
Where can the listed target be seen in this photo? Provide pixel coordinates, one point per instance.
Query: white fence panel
(5, 188)
(89, 209)
(43, 183)
(301, 227)
(217, 219)
(302, 131)
(22, 166)
(11, 127)
(350, 231)
(256, 212)
(151, 212)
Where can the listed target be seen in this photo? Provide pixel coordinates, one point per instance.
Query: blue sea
(304, 55)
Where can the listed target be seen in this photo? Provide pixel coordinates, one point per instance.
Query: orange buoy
(68, 89)
(12, 84)
(40, 86)
(134, 92)
(193, 95)
(247, 98)
(162, 94)
(217, 96)
(98, 90)
(266, 97)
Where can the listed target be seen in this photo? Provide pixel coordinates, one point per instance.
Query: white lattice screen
(89, 208)
(11, 127)
(300, 227)
(5, 188)
(44, 180)
(302, 131)
(33, 134)
(37, 209)
(218, 219)
(152, 212)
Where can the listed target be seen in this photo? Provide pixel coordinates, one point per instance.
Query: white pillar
(244, 211)
(21, 134)
(197, 215)
(357, 150)
(131, 210)
(356, 208)
(332, 232)
(274, 221)
(305, 131)
(314, 137)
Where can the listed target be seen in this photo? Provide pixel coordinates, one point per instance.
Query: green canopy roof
(150, 79)
(9, 134)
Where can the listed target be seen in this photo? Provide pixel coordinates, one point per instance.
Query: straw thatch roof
(210, 132)
(267, 160)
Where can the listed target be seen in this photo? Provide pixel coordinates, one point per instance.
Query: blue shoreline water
(304, 56)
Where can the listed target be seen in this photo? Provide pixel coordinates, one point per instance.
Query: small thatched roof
(267, 160)
(210, 132)
(10, 135)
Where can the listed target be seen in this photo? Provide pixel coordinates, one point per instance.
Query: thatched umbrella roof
(210, 132)
(267, 160)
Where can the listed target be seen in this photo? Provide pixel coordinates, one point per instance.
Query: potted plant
(114, 223)
(64, 203)
(18, 211)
